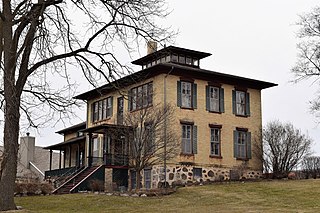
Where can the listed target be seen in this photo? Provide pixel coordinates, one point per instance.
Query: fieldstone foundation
(190, 174)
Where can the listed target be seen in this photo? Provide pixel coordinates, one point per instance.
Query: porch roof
(67, 142)
(103, 128)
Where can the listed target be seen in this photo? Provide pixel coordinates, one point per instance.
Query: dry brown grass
(265, 196)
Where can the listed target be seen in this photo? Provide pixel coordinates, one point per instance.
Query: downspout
(165, 125)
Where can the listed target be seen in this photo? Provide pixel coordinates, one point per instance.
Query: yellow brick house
(217, 117)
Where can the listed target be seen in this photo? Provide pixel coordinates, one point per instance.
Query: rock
(109, 194)
(124, 195)
(134, 195)
(143, 195)
(19, 208)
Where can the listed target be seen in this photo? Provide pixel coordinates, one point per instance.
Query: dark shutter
(249, 145)
(92, 112)
(247, 104)
(194, 140)
(182, 141)
(235, 143)
(111, 109)
(207, 98)
(234, 102)
(179, 93)
(129, 100)
(194, 94)
(221, 99)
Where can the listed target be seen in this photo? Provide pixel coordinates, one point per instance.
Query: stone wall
(186, 174)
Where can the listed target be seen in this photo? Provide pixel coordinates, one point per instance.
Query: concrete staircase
(70, 185)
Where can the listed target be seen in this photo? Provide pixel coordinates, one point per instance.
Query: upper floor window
(214, 99)
(242, 143)
(102, 109)
(140, 97)
(241, 103)
(187, 94)
(149, 132)
(189, 139)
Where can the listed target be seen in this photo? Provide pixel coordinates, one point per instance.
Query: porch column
(90, 150)
(64, 158)
(69, 156)
(78, 157)
(60, 159)
(50, 164)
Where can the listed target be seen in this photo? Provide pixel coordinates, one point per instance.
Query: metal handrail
(38, 170)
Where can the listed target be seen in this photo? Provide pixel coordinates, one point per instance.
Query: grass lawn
(265, 196)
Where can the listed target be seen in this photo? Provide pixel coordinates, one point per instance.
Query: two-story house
(217, 117)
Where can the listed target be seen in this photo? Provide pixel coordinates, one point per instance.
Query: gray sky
(249, 38)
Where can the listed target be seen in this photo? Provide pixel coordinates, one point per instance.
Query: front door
(120, 111)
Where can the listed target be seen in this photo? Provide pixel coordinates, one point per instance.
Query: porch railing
(110, 160)
(60, 172)
(116, 160)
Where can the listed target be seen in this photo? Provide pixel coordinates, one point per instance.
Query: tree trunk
(10, 154)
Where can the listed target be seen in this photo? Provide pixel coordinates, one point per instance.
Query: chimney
(151, 47)
(26, 150)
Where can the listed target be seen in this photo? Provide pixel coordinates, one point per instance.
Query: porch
(103, 144)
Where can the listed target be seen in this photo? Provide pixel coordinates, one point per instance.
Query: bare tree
(43, 39)
(284, 148)
(149, 144)
(308, 60)
(311, 166)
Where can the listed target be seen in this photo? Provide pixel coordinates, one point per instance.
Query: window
(197, 172)
(242, 144)
(133, 178)
(187, 94)
(102, 109)
(189, 139)
(188, 61)
(149, 146)
(174, 58)
(182, 59)
(241, 103)
(147, 178)
(140, 97)
(214, 99)
(215, 142)
(95, 147)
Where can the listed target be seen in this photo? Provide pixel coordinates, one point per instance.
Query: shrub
(46, 188)
(96, 185)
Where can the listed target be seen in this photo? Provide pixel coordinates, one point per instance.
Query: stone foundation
(190, 174)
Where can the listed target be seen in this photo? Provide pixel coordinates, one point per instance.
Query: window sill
(215, 112)
(186, 154)
(215, 156)
(243, 116)
(187, 108)
(245, 159)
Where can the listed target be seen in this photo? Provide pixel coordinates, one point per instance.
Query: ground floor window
(133, 179)
(147, 178)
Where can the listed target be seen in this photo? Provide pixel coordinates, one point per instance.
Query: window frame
(141, 97)
(186, 100)
(242, 144)
(215, 145)
(190, 141)
(101, 110)
(147, 178)
(236, 103)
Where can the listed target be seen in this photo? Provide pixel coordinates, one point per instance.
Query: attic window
(174, 58)
(188, 61)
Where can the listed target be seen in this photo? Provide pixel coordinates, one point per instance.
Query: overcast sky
(249, 38)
